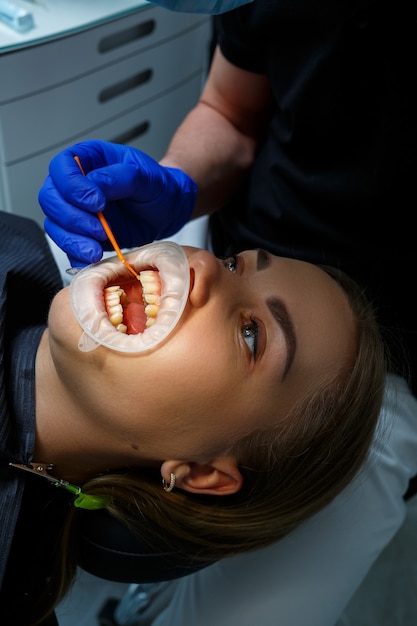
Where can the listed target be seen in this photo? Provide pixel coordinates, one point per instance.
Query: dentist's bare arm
(217, 141)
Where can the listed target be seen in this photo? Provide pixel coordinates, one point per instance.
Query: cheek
(191, 382)
(198, 352)
(201, 368)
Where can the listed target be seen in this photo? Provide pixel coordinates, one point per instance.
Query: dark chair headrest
(108, 550)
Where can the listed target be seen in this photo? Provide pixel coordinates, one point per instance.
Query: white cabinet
(129, 79)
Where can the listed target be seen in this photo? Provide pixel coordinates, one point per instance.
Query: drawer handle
(117, 40)
(130, 135)
(125, 85)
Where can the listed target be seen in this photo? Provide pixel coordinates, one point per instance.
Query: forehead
(324, 324)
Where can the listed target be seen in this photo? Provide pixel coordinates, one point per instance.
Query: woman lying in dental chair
(248, 416)
(310, 109)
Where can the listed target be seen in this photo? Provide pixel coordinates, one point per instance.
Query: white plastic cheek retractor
(87, 299)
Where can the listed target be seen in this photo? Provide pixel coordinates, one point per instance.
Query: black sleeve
(238, 41)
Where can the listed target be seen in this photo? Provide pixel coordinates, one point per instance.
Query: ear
(219, 478)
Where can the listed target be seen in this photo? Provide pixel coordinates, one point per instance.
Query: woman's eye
(250, 335)
(231, 263)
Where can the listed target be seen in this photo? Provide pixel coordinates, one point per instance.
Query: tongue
(134, 318)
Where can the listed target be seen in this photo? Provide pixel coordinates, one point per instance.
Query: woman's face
(257, 332)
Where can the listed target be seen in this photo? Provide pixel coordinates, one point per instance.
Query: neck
(66, 435)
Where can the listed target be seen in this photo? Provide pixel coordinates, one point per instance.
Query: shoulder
(25, 253)
(18, 228)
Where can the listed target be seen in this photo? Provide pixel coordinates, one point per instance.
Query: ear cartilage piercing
(168, 487)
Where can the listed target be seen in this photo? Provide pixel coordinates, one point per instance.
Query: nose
(206, 275)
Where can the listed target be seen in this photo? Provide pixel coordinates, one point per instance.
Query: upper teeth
(151, 286)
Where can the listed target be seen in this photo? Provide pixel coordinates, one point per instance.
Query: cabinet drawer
(36, 68)
(149, 128)
(36, 123)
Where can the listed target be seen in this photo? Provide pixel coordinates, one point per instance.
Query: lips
(166, 261)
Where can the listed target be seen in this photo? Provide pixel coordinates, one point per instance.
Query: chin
(62, 325)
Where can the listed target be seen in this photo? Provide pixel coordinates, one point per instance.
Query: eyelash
(249, 330)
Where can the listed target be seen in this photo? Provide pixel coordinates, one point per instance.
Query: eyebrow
(280, 313)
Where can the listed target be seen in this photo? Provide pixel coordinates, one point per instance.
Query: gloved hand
(141, 200)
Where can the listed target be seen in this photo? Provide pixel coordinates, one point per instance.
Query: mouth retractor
(87, 297)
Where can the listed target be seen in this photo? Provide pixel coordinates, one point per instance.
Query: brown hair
(290, 471)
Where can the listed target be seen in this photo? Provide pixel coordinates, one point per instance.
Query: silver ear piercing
(168, 487)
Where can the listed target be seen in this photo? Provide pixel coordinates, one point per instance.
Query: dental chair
(108, 550)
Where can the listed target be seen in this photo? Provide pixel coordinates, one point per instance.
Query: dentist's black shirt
(334, 180)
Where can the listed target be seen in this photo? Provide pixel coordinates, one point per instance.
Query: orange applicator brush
(109, 233)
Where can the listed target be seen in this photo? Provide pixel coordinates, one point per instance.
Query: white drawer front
(39, 122)
(34, 69)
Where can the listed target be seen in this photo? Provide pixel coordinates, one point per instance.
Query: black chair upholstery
(108, 550)
(412, 489)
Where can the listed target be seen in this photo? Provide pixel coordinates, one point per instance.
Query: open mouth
(129, 315)
(134, 307)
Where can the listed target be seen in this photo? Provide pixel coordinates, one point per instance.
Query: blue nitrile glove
(141, 200)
